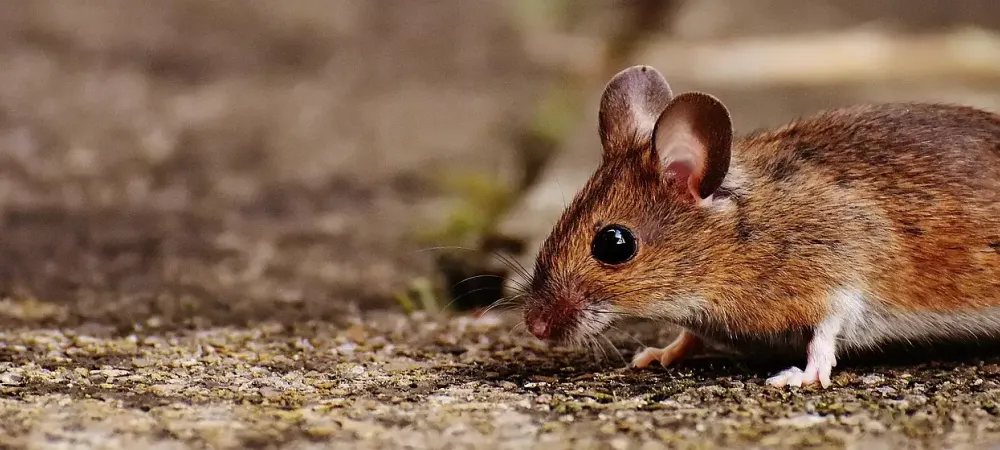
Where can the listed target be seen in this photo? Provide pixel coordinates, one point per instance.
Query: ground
(419, 382)
(207, 209)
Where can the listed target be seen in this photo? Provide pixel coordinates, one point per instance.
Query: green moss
(422, 295)
(481, 201)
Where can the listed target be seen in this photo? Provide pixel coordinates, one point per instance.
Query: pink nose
(540, 328)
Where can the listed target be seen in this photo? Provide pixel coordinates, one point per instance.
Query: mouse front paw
(821, 358)
(817, 372)
(794, 376)
(685, 345)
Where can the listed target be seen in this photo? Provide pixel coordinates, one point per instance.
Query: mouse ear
(632, 101)
(693, 139)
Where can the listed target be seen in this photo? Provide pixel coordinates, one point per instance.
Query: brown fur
(902, 200)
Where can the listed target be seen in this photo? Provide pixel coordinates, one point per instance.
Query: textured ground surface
(390, 380)
(206, 208)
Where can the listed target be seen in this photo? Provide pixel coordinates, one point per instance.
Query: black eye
(614, 245)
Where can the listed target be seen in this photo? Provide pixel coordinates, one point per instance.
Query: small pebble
(270, 393)
(11, 379)
(872, 380)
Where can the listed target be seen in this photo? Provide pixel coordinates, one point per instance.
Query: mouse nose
(540, 328)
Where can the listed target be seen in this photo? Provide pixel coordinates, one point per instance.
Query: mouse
(844, 230)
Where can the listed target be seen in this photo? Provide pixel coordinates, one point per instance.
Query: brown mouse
(846, 230)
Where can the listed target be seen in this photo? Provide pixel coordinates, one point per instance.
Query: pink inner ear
(683, 161)
(693, 138)
(683, 173)
(680, 171)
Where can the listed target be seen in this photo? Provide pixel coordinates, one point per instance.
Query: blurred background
(210, 162)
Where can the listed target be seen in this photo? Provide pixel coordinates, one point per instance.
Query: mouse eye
(614, 245)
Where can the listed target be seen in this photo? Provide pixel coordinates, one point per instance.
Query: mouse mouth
(564, 327)
(561, 313)
(590, 324)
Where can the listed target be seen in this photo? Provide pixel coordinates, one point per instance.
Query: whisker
(442, 247)
(524, 270)
(519, 287)
(517, 277)
(452, 302)
(615, 348)
(505, 301)
(515, 327)
(590, 345)
(595, 349)
(601, 348)
(629, 335)
(513, 264)
(577, 341)
(501, 302)
(474, 277)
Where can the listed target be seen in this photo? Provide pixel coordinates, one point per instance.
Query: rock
(872, 379)
(11, 378)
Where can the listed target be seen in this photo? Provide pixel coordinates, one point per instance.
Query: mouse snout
(549, 327)
(540, 328)
(552, 321)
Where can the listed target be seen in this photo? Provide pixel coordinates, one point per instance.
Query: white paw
(814, 374)
(791, 376)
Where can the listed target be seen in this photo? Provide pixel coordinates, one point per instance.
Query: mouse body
(845, 230)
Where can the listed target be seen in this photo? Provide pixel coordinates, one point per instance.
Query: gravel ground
(394, 381)
(207, 207)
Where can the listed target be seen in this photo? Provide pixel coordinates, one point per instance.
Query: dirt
(418, 382)
(207, 208)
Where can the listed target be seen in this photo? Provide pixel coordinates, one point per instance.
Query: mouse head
(633, 241)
